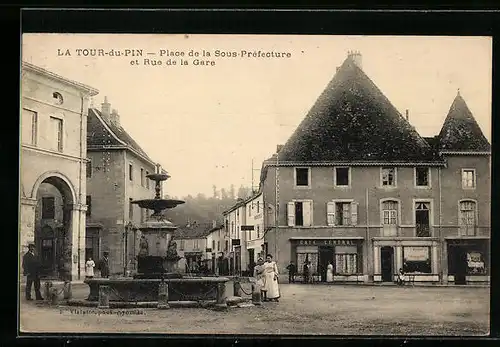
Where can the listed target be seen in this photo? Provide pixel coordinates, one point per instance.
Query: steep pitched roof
(460, 131)
(103, 134)
(352, 120)
(193, 231)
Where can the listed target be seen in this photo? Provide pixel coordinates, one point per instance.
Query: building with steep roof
(357, 186)
(52, 170)
(116, 175)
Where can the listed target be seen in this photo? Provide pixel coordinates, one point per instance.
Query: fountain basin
(158, 204)
(146, 290)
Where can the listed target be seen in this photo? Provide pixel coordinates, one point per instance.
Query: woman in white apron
(271, 279)
(329, 272)
(89, 268)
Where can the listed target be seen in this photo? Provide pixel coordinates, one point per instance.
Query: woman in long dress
(329, 272)
(271, 279)
(89, 268)
(258, 274)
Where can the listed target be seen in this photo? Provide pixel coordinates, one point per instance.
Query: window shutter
(354, 213)
(291, 213)
(307, 212)
(330, 213)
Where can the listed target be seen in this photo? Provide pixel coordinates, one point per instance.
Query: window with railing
(467, 218)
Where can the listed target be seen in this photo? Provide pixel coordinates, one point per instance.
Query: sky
(206, 125)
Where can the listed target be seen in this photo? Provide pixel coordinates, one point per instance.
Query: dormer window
(58, 98)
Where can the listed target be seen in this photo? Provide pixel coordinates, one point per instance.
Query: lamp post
(125, 235)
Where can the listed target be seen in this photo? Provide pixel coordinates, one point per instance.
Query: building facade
(52, 170)
(253, 231)
(116, 175)
(357, 186)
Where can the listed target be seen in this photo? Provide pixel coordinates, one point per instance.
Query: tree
(214, 187)
(223, 194)
(232, 192)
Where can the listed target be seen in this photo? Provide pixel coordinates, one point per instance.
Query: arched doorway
(53, 234)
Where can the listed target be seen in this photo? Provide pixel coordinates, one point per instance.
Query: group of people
(266, 276)
(307, 272)
(102, 266)
(32, 268)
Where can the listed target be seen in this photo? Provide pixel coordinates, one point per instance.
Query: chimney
(356, 57)
(115, 118)
(278, 148)
(105, 107)
(407, 115)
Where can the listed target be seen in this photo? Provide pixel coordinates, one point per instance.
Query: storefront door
(386, 259)
(326, 253)
(459, 264)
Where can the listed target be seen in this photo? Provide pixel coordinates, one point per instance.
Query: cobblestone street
(303, 309)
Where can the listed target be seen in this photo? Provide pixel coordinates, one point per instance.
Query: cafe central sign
(327, 242)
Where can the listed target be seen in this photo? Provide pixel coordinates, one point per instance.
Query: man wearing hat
(104, 265)
(31, 269)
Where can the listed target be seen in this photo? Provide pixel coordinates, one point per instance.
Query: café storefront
(345, 254)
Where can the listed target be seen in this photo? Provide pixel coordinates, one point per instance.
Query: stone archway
(53, 225)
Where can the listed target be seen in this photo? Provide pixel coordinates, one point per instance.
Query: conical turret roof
(460, 131)
(352, 120)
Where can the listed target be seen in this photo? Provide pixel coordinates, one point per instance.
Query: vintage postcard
(255, 184)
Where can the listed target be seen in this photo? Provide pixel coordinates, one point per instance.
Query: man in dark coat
(292, 270)
(104, 265)
(31, 269)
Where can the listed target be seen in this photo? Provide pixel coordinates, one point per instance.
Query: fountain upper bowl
(158, 204)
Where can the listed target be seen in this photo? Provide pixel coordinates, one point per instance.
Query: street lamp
(128, 227)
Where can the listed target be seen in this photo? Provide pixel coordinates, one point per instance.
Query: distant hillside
(203, 209)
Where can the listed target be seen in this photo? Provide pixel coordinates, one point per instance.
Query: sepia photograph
(255, 184)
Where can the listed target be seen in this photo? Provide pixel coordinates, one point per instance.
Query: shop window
(342, 176)
(467, 219)
(300, 213)
(302, 177)
(307, 254)
(388, 176)
(475, 263)
(416, 260)
(346, 260)
(422, 176)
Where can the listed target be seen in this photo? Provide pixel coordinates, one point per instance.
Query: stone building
(116, 175)
(52, 170)
(356, 185)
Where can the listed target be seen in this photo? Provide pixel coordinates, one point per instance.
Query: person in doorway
(104, 265)
(292, 270)
(31, 269)
(271, 279)
(305, 272)
(329, 272)
(89, 268)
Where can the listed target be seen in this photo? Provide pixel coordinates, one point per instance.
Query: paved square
(303, 309)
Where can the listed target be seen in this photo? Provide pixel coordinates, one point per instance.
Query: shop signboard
(332, 242)
(474, 260)
(416, 253)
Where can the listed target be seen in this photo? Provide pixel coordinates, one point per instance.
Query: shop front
(468, 260)
(417, 258)
(345, 255)
(193, 261)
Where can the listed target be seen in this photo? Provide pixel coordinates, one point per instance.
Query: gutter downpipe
(368, 243)
(80, 183)
(441, 240)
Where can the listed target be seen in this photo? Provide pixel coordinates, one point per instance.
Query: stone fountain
(157, 264)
